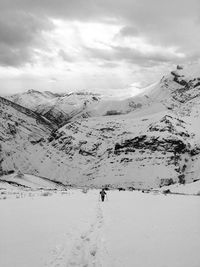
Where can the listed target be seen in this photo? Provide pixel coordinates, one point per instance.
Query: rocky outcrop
(156, 146)
(170, 125)
(187, 89)
(151, 143)
(28, 112)
(57, 108)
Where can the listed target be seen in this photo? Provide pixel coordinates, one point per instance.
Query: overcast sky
(99, 45)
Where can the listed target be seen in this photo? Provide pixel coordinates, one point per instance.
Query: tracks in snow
(87, 250)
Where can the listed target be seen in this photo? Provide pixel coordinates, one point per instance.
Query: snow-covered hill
(32, 98)
(168, 94)
(20, 181)
(146, 141)
(63, 108)
(58, 108)
(20, 128)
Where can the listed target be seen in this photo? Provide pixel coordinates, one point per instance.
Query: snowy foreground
(73, 228)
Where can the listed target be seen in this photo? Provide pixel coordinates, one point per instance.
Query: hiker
(103, 194)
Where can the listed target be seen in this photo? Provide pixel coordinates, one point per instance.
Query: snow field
(75, 229)
(147, 230)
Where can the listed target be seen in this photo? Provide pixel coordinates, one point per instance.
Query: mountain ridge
(27, 111)
(146, 141)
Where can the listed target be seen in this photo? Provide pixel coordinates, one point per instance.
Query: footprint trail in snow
(90, 250)
(87, 250)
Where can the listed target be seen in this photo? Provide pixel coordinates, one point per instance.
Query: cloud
(137, 56)
(134, 55)
(97, 53)
(10, 56)
(106, 38)
(128, 31)
(111, 65)
(20, 34)
(65, 56)
(160, 22)
(53, 79)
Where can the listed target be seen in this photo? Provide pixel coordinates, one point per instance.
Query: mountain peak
(82, 93)
(32, 91)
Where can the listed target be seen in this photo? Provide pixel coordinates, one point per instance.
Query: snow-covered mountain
(20, 128)
(32, 98)
(63, 108)
(58, 108)
(146, 141)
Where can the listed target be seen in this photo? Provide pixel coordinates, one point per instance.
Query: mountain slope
(20, 128)
(146, 141)
(63, 108)
(58, 108)
(145, 152)
(32, 98)
(154, 145)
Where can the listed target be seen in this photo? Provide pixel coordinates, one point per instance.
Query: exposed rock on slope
(58, 108)
(104, 153)
(26, 111)
(155, 140)
(19, 129)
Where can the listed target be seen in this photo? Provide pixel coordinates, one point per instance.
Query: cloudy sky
(98, 45)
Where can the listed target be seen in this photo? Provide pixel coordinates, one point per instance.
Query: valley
(144, 142)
